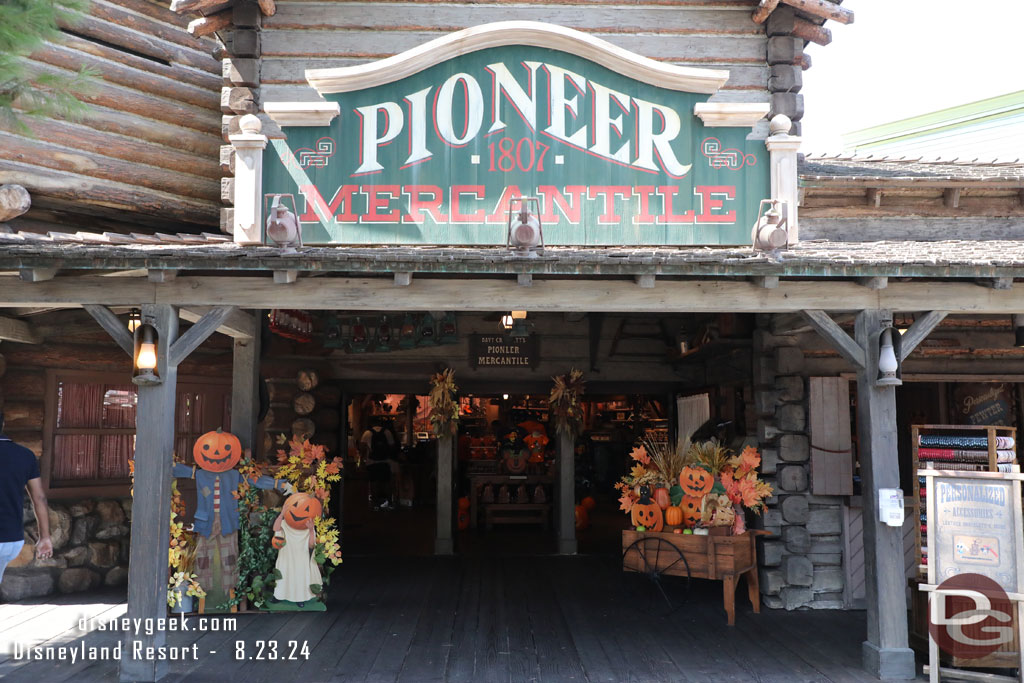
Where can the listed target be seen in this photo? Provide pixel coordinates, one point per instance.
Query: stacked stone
(90, 549)
(802, 563)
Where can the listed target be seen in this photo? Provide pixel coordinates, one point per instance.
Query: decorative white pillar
(249, 146)
(785, 183)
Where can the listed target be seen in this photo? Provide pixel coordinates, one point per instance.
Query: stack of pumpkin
(698, 488)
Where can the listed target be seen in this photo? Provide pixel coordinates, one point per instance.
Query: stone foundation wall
(90, 549)
(802, 564)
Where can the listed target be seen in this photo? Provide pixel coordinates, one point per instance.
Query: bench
(517, 513)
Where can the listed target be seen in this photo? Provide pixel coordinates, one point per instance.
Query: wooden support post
(113, 325)
(566, 508)
(198, 333)
(646, 280)
(37, 274)
(150, 529)
(161, 274)
(443, 544)
(873, 282)
(403, 279)
(766, 281)
(245, 388)
(921, 328)
(525, 279)
(885, 652)
(285, 277)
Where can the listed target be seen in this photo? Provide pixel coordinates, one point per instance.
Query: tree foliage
(25, 26)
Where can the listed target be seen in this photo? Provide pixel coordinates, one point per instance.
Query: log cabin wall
(145, 156)
(89, 526)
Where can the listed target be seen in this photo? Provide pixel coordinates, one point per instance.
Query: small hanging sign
(499, 351)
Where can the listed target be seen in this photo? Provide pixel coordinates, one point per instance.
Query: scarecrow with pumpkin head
(216, 519)
(294, 537)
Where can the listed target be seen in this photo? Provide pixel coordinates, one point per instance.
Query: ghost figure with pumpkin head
(216, 519)
(295, 537)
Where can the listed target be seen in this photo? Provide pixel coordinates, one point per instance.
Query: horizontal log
(26, 383)
(415, 16)
(179, 6)
(241, 72)
(227, 221)
(87, 139)
(303, 428)
(173, 53)
(18, 331)
(812, 32)
(237, 100)
(303, 403)
(45, 154)
(326, 418)
(115, 14)
(328, 395)
(227, 160)
(823, 9)
(730, 49)
(482, 294)
(307, 379)
(108, 357)
(764, 10)
(158, 132)
(281, 390)
(210, 24)
(268, 7)
(3, 367)
(108, 194)
(14, 201)
(227, 190)
(24, 415)
(155, 11)
(133, 101)
(128, 73)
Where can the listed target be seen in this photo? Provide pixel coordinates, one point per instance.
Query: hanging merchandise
(383, 333)
(426, 331)
(332, 333)
(449, 332)
(407, 338)
(291, 324)
(360, 339)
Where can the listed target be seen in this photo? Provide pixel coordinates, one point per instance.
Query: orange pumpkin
(463, 519)
(690, 507)
(217, 451)
(696, 481)
(646, 513)
(588, 503)
(582, 519)
(464, 503)
(299, 508)
(662, 498)
(673, 515)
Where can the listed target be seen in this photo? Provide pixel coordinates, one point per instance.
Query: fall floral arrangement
(181, 555)
(697, 487)
(444, 408)
(564, 402)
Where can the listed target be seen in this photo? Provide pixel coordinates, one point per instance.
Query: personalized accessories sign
(436, 156)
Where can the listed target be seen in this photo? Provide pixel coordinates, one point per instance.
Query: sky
(900, 58)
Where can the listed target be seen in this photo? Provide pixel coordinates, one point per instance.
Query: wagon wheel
(658, 558)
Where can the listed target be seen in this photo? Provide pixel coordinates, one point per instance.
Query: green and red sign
(436, 157)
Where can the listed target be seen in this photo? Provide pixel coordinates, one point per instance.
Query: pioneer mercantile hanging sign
(433, 149)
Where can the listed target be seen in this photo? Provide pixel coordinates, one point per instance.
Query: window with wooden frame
(90, 428)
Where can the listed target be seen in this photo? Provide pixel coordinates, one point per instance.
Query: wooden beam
(763, 10)
(198, 333)
(835, 335)
(812, 32)
(147, 580)
(37, 274)
(566, 508)
(245, 389)
(114, 326)
(921, 328)
(285, 277)
(161, 274)
(403, 279)
(524, 279)
(494, 294)
(14, 201)
(823, 9)
(443, 543)
(951, 197)
(18, 331)
(238, 325)
(766, 281)
(874, 196)
(204, 26)
(873, 282)
(645, 281)
(268, 7)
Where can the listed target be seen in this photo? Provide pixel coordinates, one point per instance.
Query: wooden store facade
(554, 188)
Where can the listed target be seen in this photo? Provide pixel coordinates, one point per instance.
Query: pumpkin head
(662, 498)
(646, 513)
(464, 503)
(299, 508)
(673, 515)
(588, 503)
(217, 451)
(690, 507)
(696, 481)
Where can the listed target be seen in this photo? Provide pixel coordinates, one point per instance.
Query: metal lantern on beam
(770, 232)
(144, 358)
(525, 233)
(888, 359)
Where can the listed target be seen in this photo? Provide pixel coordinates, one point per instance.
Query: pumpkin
(696, 481)
(277, 542)
(588, 503)
(673, 515)
(690, 507)
(646, 513)
(463, 519)
(582, 519)
(662, 498)
(217, 451)
(515, 461)
(299, 508)
(464, 503)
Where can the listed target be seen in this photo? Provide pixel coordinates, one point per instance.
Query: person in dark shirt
(18, 469)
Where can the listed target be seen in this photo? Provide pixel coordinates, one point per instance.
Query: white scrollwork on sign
(730, 159)
(316, 158)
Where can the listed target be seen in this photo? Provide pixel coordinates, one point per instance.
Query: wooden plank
(114, 327)
(691, 48)
(566, 508)
(443, 543)
(465, 631)
(198, 333)
(245, 389)
(238, 324)
(836, 336)
(829, 429)
(18, 331)
(918, 331)
(147, 580)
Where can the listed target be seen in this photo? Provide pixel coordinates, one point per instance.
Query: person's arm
(312, 532)
(183, 471)
(277, 522)
(44, 546)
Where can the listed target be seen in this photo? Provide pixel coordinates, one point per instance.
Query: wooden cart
(720, 558)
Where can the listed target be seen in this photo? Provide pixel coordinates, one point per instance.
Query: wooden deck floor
(480, 620)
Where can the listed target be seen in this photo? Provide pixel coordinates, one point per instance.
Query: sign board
(984, 403)
(436, 156)
(974, 526)
(499, 351)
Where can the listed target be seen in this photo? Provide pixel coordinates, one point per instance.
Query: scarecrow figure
(216, 520)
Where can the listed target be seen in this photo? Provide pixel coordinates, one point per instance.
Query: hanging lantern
(359, 342)
(449, 330)
(426, 331)
(507, 322)
(888, 364)
(134, 320)
(144, 360)
(525, 233)
(407, 337)
(383, 335)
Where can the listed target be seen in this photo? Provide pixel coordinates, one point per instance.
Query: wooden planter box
(720, 558)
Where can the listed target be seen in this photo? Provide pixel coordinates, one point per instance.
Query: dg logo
(970, 616)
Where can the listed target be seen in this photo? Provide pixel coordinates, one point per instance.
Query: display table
(513, 481)
(720, 558)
